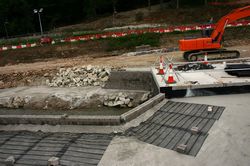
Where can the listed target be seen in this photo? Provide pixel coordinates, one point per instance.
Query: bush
(131, 41)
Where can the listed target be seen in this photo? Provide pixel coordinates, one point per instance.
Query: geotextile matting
(173, 125)
(35, 148)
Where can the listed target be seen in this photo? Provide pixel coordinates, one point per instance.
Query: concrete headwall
(132, 80)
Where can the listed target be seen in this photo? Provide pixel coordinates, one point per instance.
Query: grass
(131, 41)
(18, 41)
(126, 42)
(80, 33)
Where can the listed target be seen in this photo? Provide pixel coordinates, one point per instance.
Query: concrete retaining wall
(132, 80)
(125, 80)
(59, 120)
(81, 120)
(135, 112)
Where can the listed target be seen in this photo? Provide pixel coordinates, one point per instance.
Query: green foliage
(18, 41)
(81, 33)
(131, 41)
(21, 19)
(16, 15)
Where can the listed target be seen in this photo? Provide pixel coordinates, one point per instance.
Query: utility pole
(149, 5)
(39, 17)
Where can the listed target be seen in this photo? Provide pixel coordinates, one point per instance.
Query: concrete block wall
(132, 80)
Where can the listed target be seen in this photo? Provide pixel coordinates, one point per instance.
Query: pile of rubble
(80, 76)
(118, 100)
(123, 100)
(66, 101)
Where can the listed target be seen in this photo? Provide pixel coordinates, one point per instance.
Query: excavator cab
(206, 32)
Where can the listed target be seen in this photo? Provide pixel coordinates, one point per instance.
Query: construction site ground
(36, 73)
(226, 144)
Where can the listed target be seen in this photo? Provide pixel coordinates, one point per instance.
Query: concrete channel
(120, 81)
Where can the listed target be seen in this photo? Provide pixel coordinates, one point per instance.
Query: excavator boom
(213, 42)
(231, 17)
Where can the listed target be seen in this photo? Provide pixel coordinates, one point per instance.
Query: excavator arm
(231, 17)
(212, 44)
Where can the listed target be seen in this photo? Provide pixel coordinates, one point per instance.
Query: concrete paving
(228, 142)
(204, 79)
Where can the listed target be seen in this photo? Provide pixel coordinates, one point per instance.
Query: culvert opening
(217, 91)
(207, 91)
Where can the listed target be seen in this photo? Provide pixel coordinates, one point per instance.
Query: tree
(19, 15)
(161, 4)
(149, 5)
(205, 2)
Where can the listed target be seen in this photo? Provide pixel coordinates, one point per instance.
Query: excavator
(211, 45)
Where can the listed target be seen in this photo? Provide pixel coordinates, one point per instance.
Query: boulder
(130, 104)
(104, 79)
(145, 97)
(112, 97)
(17, 102)
(127, 101)
(10, 161)
(110, 104)
(89, 68)
(1, 84)
(6, 102)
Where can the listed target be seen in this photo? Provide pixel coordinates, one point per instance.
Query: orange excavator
(195, 48)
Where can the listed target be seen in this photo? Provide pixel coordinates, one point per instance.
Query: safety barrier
(129, 32)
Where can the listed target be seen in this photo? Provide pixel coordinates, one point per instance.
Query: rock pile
(118, 100)
(14, 101)
(74, 100)
(80, 76)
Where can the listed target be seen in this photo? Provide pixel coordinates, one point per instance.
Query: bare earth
(37, 72)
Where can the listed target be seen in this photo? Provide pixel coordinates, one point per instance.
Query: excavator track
(211, 54)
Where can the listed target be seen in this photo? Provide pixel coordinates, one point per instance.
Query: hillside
(167, 16)
(30, 66)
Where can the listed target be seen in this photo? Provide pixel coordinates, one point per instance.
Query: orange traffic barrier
(170, 75)
(161, 68)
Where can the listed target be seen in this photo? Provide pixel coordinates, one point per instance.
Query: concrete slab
(228, 142)
(203, 78)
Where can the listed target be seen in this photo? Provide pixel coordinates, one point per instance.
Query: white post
(39, 17)
(41, 28)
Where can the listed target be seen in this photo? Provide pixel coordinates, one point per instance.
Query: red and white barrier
(129, 32)
(4, 48)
